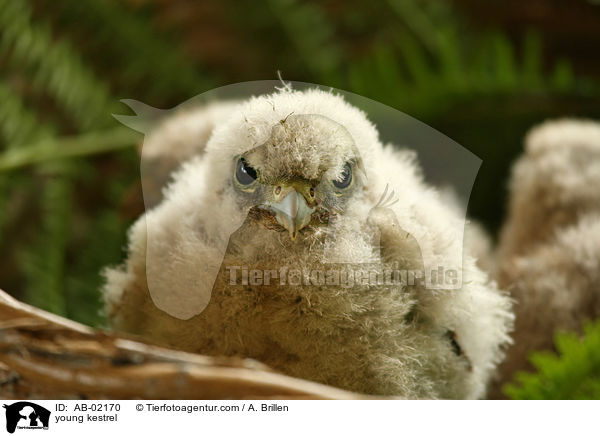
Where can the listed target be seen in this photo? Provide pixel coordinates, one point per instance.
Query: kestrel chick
(273, 243)
(549, 249)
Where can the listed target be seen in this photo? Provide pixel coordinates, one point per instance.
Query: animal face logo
(26, 415)
(301, 198)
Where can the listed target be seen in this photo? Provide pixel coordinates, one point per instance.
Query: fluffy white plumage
(549, 249)
(379, 339)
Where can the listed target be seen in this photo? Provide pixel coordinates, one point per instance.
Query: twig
(59, 358)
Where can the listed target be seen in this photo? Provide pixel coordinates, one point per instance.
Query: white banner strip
(149, 417)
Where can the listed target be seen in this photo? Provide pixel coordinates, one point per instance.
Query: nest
(45, 356)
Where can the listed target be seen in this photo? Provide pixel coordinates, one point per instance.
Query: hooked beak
(293, 213)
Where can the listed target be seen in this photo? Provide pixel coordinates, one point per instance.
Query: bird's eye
(244, 173)
(346, 178)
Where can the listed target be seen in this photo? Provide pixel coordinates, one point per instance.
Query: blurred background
(482, 73)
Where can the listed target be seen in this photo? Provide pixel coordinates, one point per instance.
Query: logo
(311, 202)
(26, 415)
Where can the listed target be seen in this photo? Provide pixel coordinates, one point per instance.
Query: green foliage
(38, 68)
(53, 66)
(133, 46)
(52, 148)
(311, 34)
(17, 123)
(430, 64)
(573, 373)
(433, 65)
(44, 260)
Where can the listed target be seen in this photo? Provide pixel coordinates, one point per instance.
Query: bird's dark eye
(346, 178)
(244, 173)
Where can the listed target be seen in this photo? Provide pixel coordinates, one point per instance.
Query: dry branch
(45, 356)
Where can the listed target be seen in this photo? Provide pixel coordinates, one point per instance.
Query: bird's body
(549, 248)
(250, 250)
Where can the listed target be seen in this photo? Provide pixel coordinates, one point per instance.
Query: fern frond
(44, 260)
(415, 19)
(18, 124)
(54, 66)
(139, 51)
(572, 373)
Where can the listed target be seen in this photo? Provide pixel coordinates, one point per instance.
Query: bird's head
(302, 177)
(291, 161)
